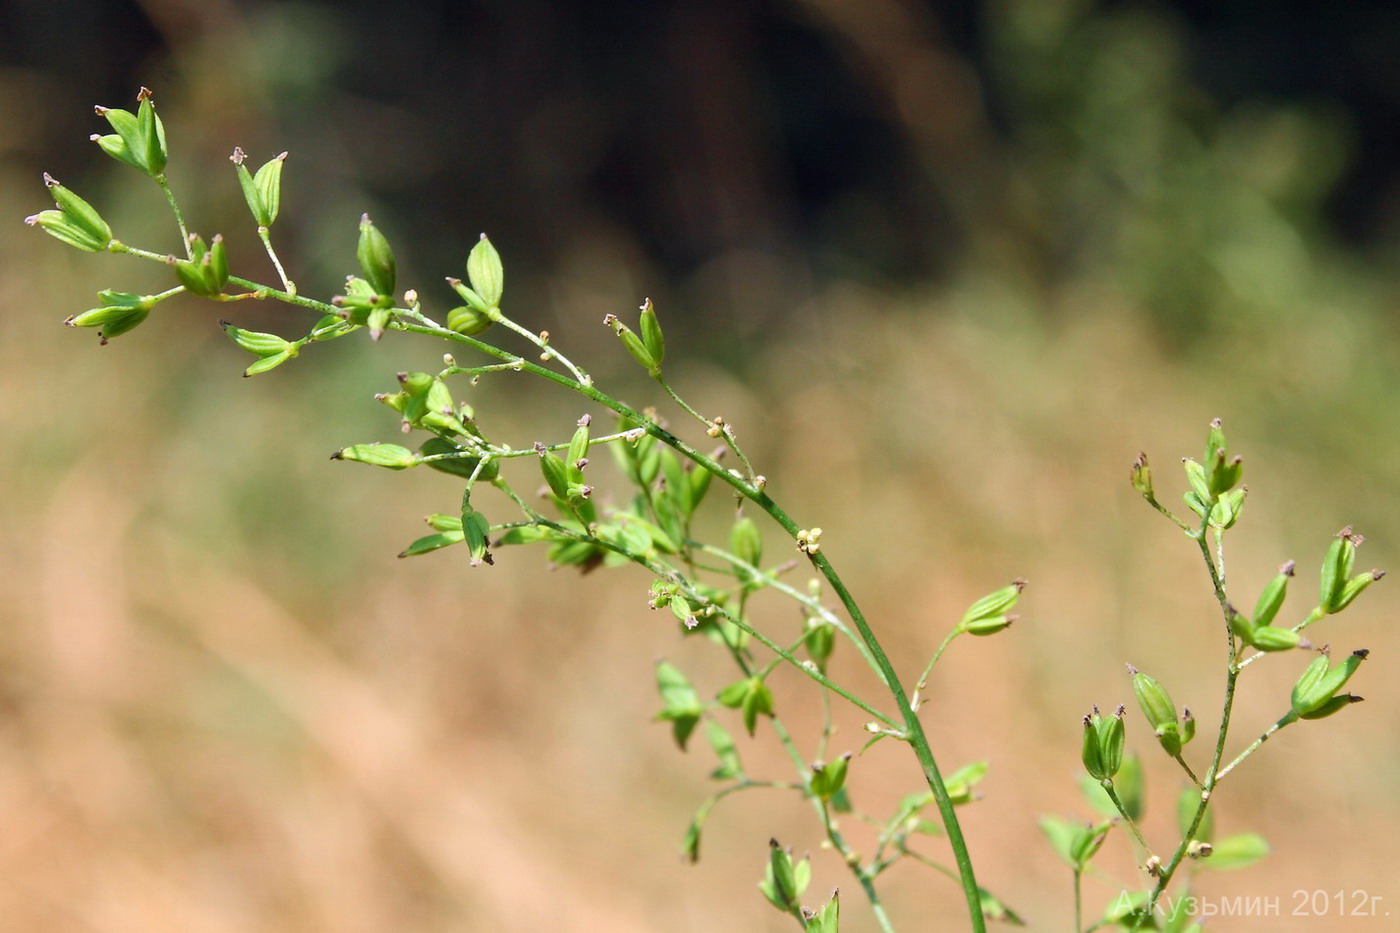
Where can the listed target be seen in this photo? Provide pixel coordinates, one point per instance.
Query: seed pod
(1240, 625)
(1157, 706)
(1336, 569)
(140, 137)
(1320, 682)
(989, 626)
(1196, 476)
(74, 222)
(118, 313)
(475, 527)
(1354, 586)
(485, 273)
(217, 260)
(1335, 705)
(555, 474)
(1273, 596)
(780, 883)
(652, 337)
(578, 450)
(634, 346)
(1188, 726)
(262, 191)
(255, 343)
(827, 780)
(993, 604)
(820, 641)
(376, 257)
(391, 456)
(1227, 508)
(468, 320)
(1102, 751)
(1269, 638)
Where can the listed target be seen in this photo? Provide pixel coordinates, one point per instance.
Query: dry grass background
(224, 706)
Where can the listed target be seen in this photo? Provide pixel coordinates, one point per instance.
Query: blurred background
(946, 266)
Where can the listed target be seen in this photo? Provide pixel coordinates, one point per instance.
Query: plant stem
(1128, 821)
(1287, 719)
(928, 669)
(266, 237)
(175, 209)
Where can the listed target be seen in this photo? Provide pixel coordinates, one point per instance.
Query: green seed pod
(1188, 726)
(652, 337)
(485, 273)
(62, 228)
(119, 313)
(468, 320)
(827, 780)
(255, 343)
(988, 626)
(80, 212)
(377, 321)
(1320, 682)
(1196, 476)
(140, 137)
(1273, 596)
(1227, 508)
(779, 885)
(556, 474)
(634, 346)
(1215, 441)
(1156, 703)
(1142, 477)
(1269, 638)
(1102, 752)
(390, 456)
(439, 522)
(269, 362)
(828, 918)
(1335, 705)
(578, 450)
(1240, 625)
(376, 258)
(1336, 568)
(475, 527)
(262, 191)
(994, 604)
(218, 263)
(1354, 586)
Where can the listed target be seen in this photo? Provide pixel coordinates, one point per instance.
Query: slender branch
(1287, 719)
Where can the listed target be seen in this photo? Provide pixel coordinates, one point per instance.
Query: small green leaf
(1238, 851)
(391, 456)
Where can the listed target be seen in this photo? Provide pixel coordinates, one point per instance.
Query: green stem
(1286, 720)
(175, 209)
(1232, 673)
(266, 237)
(1078, 901)
(928, 669)
(1107, 785)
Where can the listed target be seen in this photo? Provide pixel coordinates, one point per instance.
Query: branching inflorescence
(708, 587)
